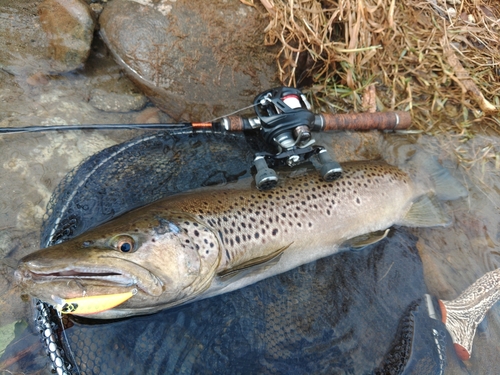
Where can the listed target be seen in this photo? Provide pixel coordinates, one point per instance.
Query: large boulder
(195, 59)
(56, 39)
(69, 28)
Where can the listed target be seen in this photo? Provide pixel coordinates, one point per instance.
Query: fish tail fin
(426, 211)
(424, 168)
(445, 186)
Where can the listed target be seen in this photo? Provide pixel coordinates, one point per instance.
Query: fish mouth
(123, 274)
(115, 278)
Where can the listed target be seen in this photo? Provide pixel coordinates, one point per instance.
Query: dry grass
(442, 65)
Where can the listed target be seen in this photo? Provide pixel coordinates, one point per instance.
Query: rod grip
(396, 120)
(235, 124)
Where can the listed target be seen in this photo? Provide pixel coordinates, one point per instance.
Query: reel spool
(285, 121)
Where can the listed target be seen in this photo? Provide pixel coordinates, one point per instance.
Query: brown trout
(215, 240)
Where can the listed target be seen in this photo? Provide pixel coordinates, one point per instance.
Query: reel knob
(266, 178)
(330, 169)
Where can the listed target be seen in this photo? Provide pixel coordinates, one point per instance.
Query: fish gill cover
(341, 313)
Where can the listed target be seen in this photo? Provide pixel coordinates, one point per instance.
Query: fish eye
(125, 244)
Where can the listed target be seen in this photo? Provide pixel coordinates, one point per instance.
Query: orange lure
(91, 304)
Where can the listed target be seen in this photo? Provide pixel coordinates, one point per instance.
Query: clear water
(31, 165)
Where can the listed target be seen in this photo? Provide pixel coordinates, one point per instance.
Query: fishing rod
(284, 120)
(395, 120)
(48, 128)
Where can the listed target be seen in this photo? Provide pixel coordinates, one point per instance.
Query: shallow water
(33, 164)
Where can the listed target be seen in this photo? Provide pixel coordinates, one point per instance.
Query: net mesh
(140, 171)
(339, 314)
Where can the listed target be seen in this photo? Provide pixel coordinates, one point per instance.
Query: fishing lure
(92, 304)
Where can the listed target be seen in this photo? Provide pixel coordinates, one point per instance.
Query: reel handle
(393, 120)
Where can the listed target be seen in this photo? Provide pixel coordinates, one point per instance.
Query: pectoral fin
(367, 239)
(255, 265)
(426, 211)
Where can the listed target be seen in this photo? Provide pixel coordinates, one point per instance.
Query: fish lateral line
(91, 304)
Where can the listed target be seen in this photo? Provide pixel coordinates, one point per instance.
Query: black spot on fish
(275, 232)
(227, 255)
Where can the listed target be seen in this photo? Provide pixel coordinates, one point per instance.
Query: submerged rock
(22, 42)
(116, 102)
(194, 59)
(69, 27)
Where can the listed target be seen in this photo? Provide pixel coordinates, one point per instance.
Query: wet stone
(116, 102)
(69, 27)
(22, 41)
(195, 59)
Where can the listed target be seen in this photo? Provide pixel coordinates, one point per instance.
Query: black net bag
(344, 314)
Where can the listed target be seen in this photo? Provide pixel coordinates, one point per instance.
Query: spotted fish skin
(305, 210)
(214, 240)
(304, 214)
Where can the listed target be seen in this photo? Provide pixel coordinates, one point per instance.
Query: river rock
(116, 102)
(22, 42)
(69, 28)
(195, 59)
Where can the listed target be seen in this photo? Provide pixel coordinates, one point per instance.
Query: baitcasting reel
(285, 121)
